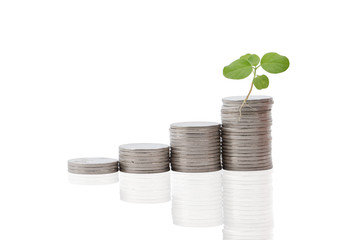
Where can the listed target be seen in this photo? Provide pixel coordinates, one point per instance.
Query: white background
(78, 78)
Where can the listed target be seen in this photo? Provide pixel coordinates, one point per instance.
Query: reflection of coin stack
(144, 176)
(247, 199)
(196, 179)
(93, 171)
(145, 188)
(246, 137)
(196, 199)
(195, 147)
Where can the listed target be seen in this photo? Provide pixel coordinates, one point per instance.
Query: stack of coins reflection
(195, 147)
(246, 134)
(247, 200)
(197, 199)
(145, 188)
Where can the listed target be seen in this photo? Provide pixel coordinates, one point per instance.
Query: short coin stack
(246, 136)
(144, 158)
(195, 147)
(93, 165)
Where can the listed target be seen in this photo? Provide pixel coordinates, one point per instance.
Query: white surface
(79, 78)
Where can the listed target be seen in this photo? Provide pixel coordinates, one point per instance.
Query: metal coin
(140, 147)
(194, 124)
(93, 161)
(247, 169)
(98, 171)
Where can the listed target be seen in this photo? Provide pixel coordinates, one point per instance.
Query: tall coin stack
(144, 173)
(195, 147)
(196, 176)
(246, 136)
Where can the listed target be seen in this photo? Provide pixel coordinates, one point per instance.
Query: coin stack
(246, 135)
(195, 147)
(144, 158)
(93, 166)
(247, 200)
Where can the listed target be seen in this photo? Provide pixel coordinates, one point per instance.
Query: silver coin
(251, 98)
(144, 168)
(98, 171)
(144, 172)
(145, 155)
(210, 135)
(234, 135)
(246, 115)
(246, 159)
(247, 169)
(196, 148)
(243, 154)
(200, 164)
(237, 153)
(196, 145)
(234, 128)
(196, 170)
(195, 151)
(203, 161)
(203, 141)
(232, 164)
(93, 162)
(251, 107)
(238, 141)
(145, 160)
(236, 110)
(140, 147)
(245, 143)
(241, 123)
(195, 158)
(92, 168)
(194, 124)
(144, 164)
(239, 163)
(235, 147)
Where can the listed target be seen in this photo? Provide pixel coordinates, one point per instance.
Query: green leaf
(246, 56)
(252, 58)
(238, 69)
(274, 63)
(261, 82)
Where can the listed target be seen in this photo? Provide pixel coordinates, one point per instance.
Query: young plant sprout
(249, 63)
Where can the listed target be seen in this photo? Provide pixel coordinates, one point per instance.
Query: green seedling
(249, 63)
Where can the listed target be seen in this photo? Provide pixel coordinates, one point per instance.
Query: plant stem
(247, 97)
